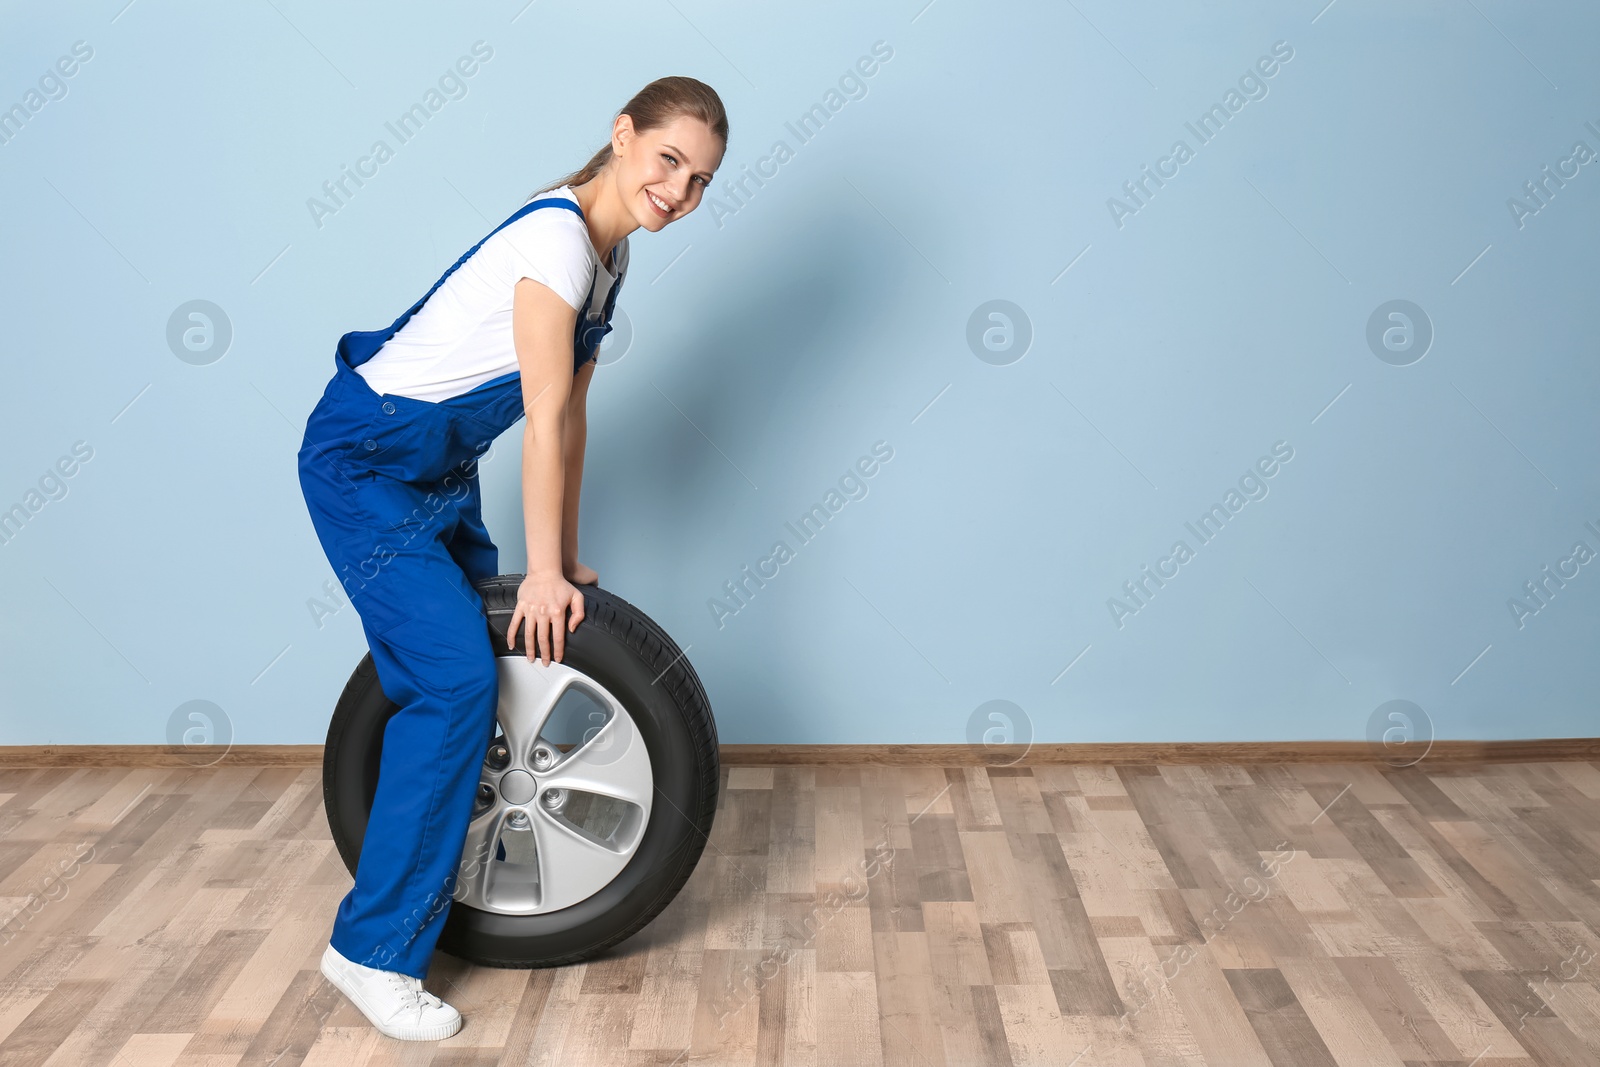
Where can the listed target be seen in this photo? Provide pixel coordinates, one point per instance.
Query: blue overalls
(391, 483)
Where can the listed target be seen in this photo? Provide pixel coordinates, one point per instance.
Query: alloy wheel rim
(552, 827)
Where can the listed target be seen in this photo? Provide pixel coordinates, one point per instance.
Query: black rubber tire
(620, 647)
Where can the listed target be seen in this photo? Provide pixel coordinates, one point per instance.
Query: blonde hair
(652, 107)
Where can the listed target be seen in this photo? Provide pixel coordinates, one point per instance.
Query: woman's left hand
(581, 575)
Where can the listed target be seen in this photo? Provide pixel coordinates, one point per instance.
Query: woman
(389, 472)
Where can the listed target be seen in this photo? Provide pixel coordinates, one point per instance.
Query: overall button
(388, 408)
(371, 444)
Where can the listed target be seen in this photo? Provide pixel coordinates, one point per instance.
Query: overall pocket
(427, 445)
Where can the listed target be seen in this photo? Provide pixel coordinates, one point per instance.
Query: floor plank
(1104, 916)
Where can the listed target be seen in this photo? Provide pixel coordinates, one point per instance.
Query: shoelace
(413, 998)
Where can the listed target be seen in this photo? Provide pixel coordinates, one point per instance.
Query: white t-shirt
(461, 336)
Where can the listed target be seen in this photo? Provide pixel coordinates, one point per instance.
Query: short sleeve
(552, 247)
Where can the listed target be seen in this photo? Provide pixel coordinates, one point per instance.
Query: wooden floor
(1228, 915)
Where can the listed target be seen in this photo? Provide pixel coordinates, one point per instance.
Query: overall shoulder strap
(587, 341)
(549, 201)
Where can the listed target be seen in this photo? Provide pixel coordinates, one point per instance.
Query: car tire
(648, 701)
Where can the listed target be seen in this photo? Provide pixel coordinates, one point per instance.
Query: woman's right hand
(543, 601)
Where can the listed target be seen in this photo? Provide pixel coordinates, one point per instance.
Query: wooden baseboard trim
(1170, 752)
(196, 756)
(1174, 752)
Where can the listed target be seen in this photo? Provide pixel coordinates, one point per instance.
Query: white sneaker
(395, 1003)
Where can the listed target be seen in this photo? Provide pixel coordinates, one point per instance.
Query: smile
(659, 204)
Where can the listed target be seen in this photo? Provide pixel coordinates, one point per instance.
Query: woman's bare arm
(542, 327)
(577, 432)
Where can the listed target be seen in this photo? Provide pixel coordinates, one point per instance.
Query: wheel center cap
(518, 787)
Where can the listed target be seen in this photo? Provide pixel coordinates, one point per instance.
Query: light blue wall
(774, 345)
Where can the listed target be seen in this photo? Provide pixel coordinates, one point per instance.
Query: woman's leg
(439, 667)
(426, 628)
(472, 548)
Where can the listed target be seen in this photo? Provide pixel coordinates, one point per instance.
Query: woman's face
(663, 173)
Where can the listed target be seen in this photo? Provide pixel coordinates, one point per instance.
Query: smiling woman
(682, 116)
(510, 331)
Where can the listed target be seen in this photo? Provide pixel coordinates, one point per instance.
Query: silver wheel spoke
(528, 693)
(612, 763)
(476, 870)
(571, 866)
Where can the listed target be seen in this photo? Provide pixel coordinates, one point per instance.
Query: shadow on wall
(769, 341)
